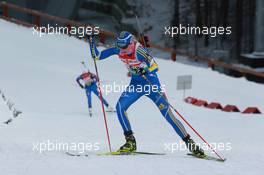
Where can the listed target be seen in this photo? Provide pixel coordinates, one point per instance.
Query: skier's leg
(96, 92)
(89, 97)
(167, 113)
(160, 100)
(126, 99)
(162, 103)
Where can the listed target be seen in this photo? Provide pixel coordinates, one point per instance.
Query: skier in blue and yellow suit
(143, 69)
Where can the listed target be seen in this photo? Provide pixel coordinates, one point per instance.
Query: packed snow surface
(38, 75)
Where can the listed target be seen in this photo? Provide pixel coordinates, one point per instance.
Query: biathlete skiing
(89, 83)
(143, 69)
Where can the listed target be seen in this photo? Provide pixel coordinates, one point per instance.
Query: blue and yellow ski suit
(137, 58)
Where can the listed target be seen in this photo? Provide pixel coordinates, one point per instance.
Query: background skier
(90, 85)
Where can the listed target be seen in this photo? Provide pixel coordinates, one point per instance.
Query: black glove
(81, 86)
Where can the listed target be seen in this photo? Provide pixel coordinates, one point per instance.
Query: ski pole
(141, 35)
(176, 111)
(100, 92)
(140, 31)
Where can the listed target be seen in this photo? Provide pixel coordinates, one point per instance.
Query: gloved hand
(91, 40)
(81, 86)
(139, 71)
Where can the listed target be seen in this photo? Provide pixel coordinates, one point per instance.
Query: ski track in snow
(39, 74)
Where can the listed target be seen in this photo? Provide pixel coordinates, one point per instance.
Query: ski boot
(130, 145)
(90, 112)
(193, 148)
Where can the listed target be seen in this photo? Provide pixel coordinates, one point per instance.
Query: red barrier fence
(216, 105)
(104, 34)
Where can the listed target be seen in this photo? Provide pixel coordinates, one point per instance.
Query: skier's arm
(103, 54)
(78, 81)
(108, 52)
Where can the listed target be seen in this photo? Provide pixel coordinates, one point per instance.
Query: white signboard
(184, 82)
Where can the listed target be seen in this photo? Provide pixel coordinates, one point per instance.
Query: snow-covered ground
(38, 74)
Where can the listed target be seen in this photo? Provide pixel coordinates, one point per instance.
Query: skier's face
(122, 45)
(129, 48)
